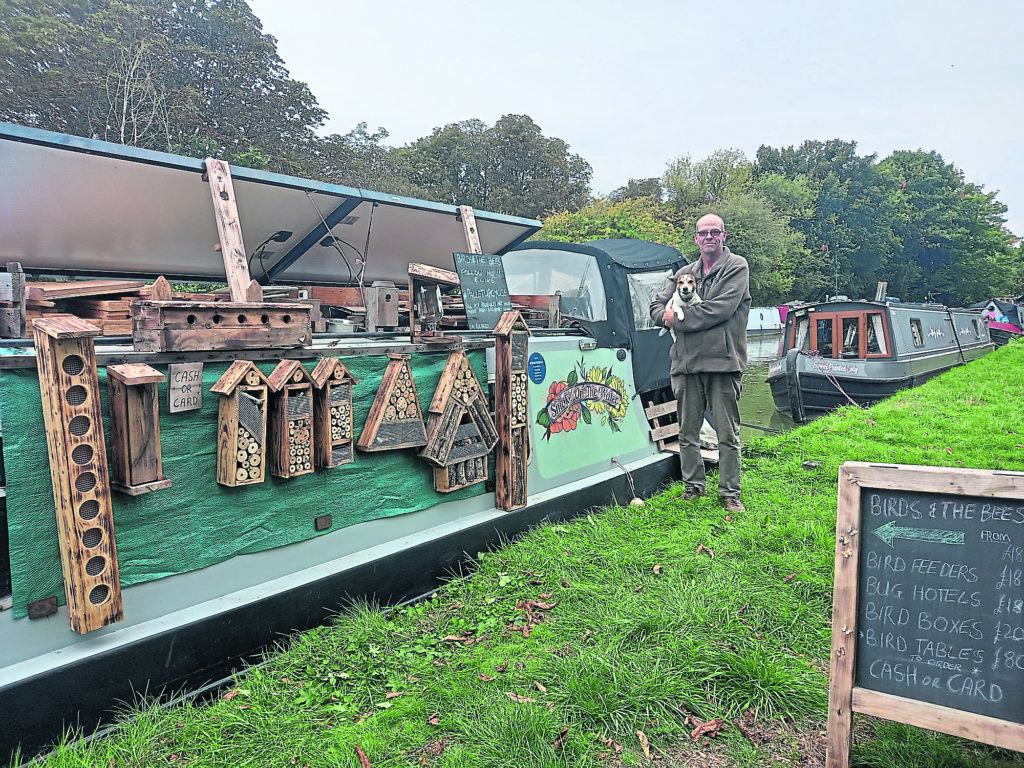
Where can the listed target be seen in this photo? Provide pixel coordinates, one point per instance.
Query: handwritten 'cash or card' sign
(185, 387)
(928, 616)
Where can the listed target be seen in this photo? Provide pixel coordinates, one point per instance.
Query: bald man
(708, 358)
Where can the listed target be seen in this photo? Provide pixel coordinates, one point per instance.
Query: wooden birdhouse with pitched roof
(460, 432)
(511, 349)
(242, 424)
(333, 431)
(291, 420)
(395, 419)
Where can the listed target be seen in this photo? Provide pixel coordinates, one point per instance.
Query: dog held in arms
(685, 295)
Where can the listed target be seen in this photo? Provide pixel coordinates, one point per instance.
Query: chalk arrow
(891, 531)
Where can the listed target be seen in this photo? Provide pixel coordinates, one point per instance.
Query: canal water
(757, 409)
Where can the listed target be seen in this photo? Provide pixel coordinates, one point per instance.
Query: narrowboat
(1005, 320)
(180, 496)
(844, 352)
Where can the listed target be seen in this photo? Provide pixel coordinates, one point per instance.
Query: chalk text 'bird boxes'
(460, 432)
(291, 420)
(242, 424)
(70, 393)
(135, 463)
(395, 419)
(333, 430)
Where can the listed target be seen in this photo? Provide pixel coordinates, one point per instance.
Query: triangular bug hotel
(395, 419)
(460, 432)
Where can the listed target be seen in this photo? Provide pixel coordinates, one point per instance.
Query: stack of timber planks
(103, 303)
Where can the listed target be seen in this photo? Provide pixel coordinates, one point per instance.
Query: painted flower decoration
(583, 393)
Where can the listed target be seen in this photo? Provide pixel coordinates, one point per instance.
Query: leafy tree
(707, 182)
(510, 167)
(638, 188)
(640, 218)
(951, 231)
(361, 159)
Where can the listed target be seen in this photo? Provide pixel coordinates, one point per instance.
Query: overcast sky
(631, 86)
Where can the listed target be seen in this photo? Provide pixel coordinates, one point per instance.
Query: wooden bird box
(511, 345)
(395, 419)
(460, 432)
(70, 392)
(333, 430)
(242, 424)
(291, 420)
(135, 463)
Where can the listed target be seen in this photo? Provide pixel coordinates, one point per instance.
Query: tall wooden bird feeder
(291, 420)
(460, 432)
(135, 463)
(511, 346)
(242, 424)
(333, 432)
(70, 393)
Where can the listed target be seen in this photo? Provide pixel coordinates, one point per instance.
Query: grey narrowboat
(843, 352)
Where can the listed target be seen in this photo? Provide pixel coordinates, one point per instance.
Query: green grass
(644, 619)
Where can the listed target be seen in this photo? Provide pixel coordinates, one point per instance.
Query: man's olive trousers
(695, 393)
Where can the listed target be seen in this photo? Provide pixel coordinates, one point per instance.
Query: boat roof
(71, 205)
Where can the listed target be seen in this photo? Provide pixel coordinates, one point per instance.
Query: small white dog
(685, 295)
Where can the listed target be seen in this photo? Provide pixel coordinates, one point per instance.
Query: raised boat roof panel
(80, 206)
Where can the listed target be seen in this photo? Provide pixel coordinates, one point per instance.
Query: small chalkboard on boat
(928, 603)
(484, 290)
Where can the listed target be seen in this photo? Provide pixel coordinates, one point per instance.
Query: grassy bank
(671, 633)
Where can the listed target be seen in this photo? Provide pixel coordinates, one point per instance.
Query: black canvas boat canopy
(70, 205)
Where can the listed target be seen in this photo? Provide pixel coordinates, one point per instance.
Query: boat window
(916, 333)
(802, 339)
(541, 272)
(643, 286)
(876, 335)
(977, 327)
(851, 337)
(823, 334)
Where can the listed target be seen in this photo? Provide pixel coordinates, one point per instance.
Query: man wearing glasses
(708, 358)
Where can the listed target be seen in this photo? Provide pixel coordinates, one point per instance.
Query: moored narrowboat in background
(846, 351)
(1005, 319)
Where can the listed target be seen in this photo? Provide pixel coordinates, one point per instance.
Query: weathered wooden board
(177, 326)
(229, 228)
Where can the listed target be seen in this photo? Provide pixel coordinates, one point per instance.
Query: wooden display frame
(395, 419)
(844, 697)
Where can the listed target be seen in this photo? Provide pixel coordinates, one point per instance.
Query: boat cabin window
(977, 327)
(876, 335)
(916, 333)
(801, 338)
(541, 272)
(850, 335)
(823, 335)
(643, 286)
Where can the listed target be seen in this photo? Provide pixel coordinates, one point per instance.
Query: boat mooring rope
(629, 477)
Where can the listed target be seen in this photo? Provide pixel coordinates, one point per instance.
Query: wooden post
(70, 392)
(511, 340)
(232, 247)
(135, 461)
(469, 225)
(12, 289)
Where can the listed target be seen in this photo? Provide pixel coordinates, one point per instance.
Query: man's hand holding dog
(669, 317)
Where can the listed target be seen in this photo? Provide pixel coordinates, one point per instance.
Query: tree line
(200, 78)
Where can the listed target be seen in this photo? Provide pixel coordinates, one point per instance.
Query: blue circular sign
(537, 368)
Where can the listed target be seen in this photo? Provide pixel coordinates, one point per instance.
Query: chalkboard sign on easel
(928, 603)
(484, 290)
